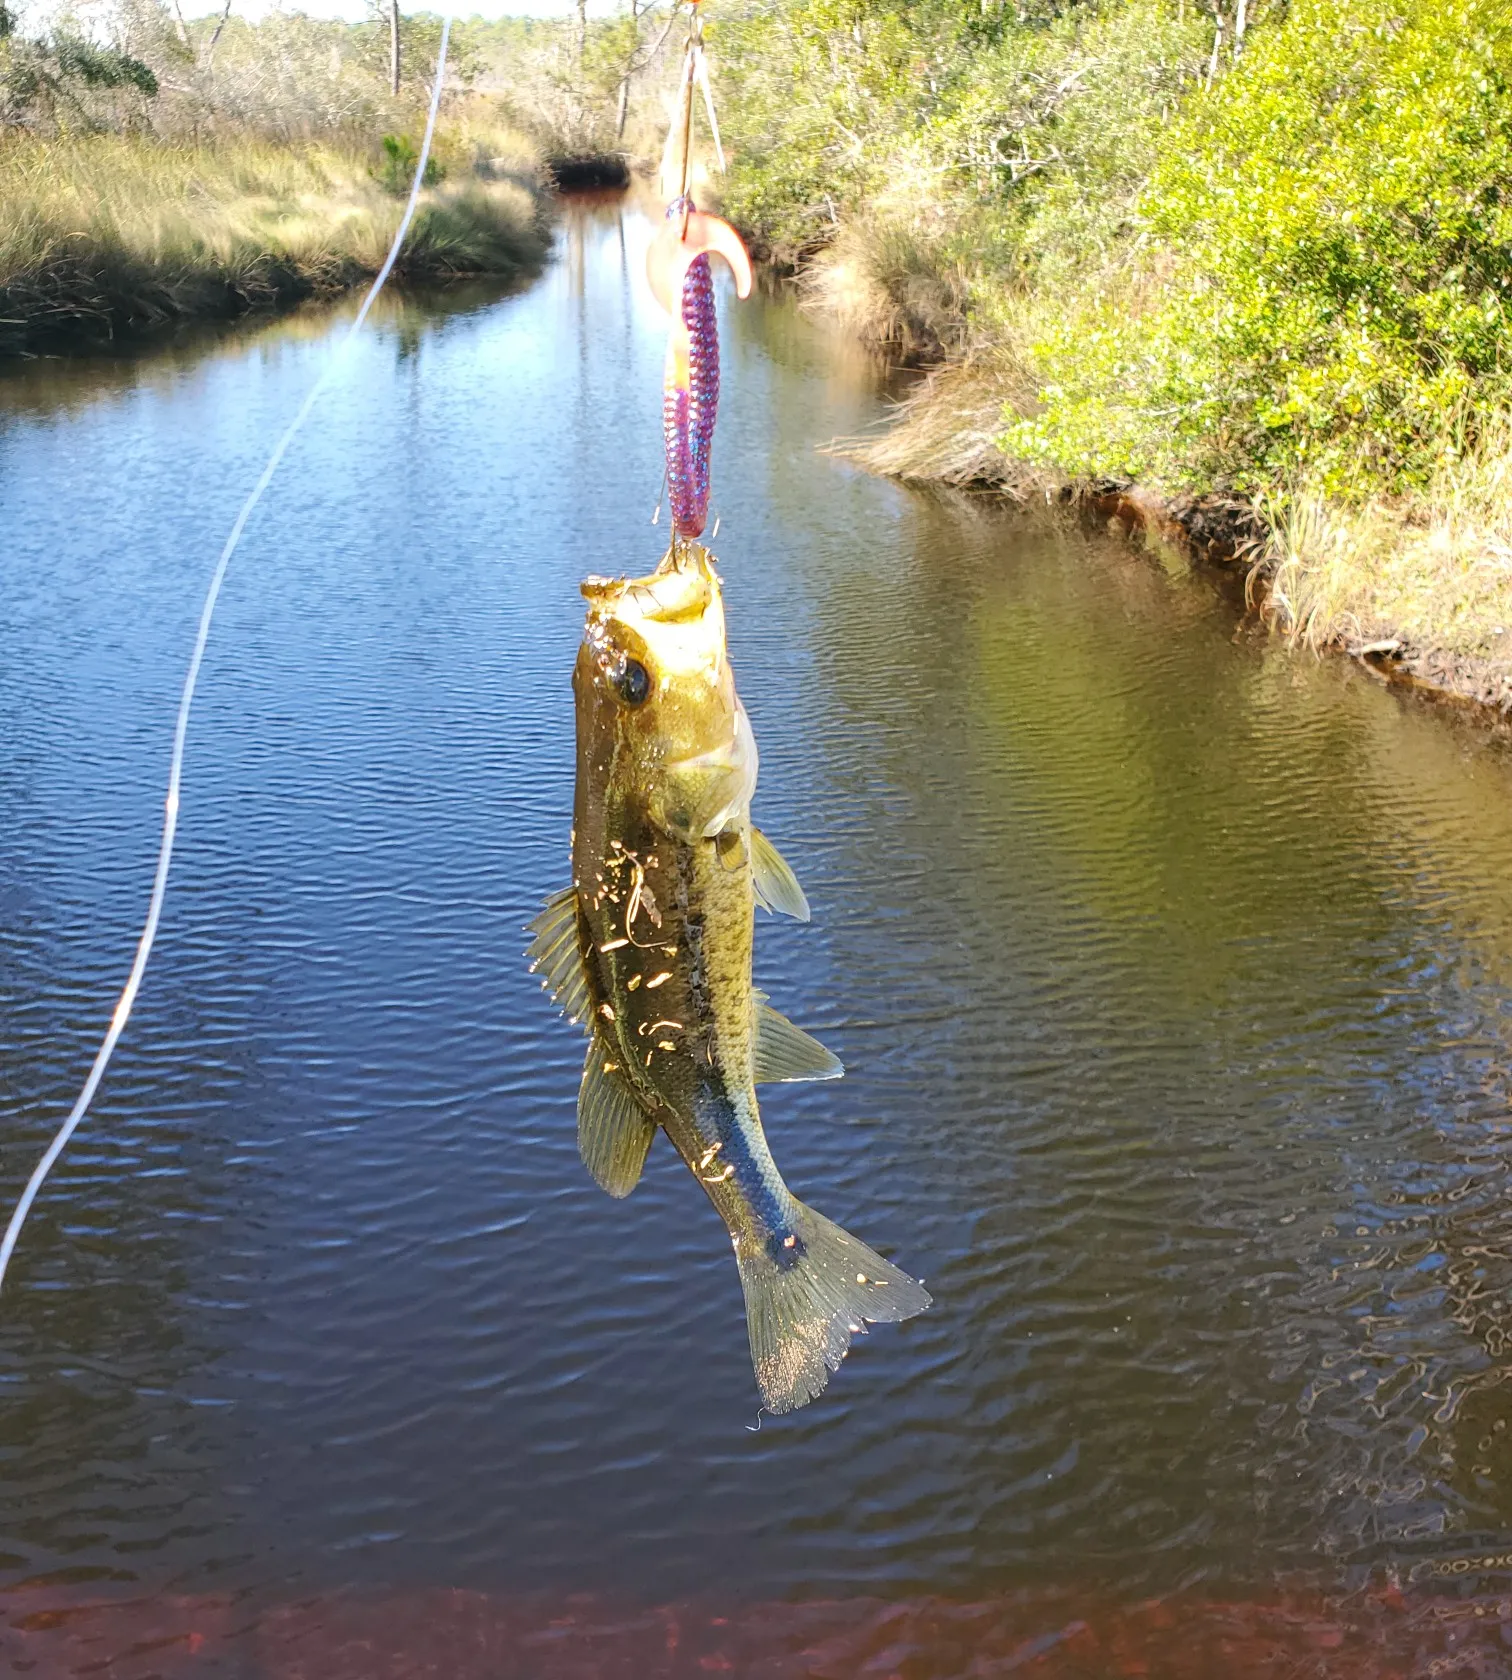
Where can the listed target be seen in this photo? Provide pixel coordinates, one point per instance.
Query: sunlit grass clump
(106, 233)
(1433, 570)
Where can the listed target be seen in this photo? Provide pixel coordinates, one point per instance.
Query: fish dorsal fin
(784, 1051)
(556, 953)
(776, 885)
(614, 1131)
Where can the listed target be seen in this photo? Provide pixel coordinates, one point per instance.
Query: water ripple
(1173, 977)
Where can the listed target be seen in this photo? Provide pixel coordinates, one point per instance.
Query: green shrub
(1328, 254)
(816, 96)
(106, 67)
(1010, 140)
(54, 75)
(396, 173)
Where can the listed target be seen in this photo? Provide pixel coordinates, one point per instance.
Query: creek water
(1172, 974)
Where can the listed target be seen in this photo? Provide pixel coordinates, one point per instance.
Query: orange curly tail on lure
(674, 250)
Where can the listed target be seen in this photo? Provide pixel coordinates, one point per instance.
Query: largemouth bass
(650, 949)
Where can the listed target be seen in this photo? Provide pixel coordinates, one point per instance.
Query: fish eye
(632, 681)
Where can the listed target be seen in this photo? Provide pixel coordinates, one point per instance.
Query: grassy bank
(1260, 251)
(154, 167)
(102, 234)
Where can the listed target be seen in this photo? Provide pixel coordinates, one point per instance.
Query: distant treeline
(141, 67)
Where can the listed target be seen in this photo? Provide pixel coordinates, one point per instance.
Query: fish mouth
(680, 590)
(672, 620)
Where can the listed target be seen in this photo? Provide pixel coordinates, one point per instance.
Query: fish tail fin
(807, 1292)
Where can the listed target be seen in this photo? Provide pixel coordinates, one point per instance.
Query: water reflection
(1171, 972)
(63, 382)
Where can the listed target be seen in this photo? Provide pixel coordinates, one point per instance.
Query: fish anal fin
(807, 1292)
(614, 1131)
(556, 953)
(776, 885)
(783, 1051)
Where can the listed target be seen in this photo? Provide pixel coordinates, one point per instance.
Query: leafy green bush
(1009, 140)
(396, 172)
(1325, 286)
(817, 95)
(106, 67)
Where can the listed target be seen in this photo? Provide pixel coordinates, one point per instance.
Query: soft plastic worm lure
(682, 280)
(690, 401)
(681, 277)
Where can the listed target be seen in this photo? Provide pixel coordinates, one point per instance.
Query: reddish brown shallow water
(440, 1635)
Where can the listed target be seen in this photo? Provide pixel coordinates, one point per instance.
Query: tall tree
(216, 32)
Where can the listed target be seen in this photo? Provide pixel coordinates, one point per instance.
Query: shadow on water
(1172, 975)
(46, 385)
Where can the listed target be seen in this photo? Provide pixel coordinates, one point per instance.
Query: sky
(354, 10)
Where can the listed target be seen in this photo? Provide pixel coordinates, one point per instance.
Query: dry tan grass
(888, 276)
(945, 430)
(1433, 573)
(104, 232)
(880, 281)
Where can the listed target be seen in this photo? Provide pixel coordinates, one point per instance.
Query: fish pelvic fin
(614, 1131)
(784, 1051)
(776, 885)
(807, 1292)
(556, 953)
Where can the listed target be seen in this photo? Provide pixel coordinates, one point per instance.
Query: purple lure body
(688, 411)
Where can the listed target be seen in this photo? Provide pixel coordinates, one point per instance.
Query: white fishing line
(175, 771)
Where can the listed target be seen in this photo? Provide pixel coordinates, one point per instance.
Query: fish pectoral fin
(556, 953)
(783, 1051)
(776, 885)
(614, 1131)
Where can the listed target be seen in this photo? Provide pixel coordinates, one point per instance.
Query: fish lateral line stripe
(122, 1012)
